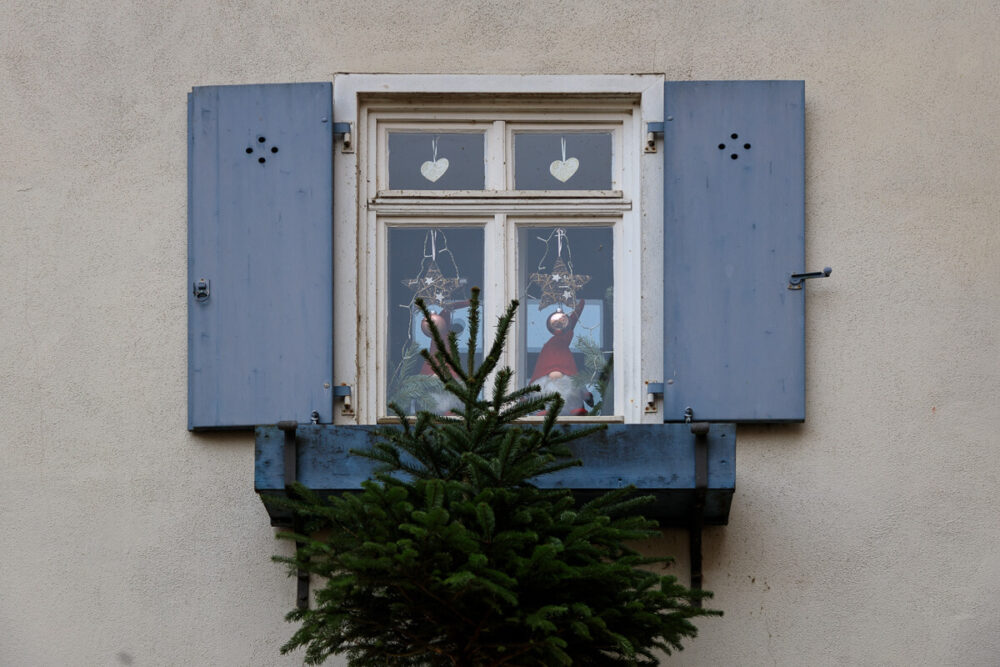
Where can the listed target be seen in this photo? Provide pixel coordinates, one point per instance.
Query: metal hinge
(346, 130)
(344, 391)
(653, 389)
(652, 131)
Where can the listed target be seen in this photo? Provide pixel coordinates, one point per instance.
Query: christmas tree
(452, 556)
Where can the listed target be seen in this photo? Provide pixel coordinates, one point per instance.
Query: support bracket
(700, 432)
(289, 428)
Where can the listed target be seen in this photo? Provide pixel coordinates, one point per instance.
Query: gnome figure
(555, 369)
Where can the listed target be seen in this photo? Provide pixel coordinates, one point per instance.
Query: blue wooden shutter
(734, 212)
(260, 225)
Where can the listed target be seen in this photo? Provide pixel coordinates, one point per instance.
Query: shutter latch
(202, 288)
(796, 280)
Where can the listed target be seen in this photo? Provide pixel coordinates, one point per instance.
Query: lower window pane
(565, 325)
(440, 265)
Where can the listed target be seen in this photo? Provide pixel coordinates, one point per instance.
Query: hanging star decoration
(560, 286)
(432, 286)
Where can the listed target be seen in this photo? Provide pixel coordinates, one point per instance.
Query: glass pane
(440, 265)
(426, 161)
(570, 161)
(565, 326)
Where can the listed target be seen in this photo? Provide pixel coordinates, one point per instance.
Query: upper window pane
(563, 161)
(437, 161)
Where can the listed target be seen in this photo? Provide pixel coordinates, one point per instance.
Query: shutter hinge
(344, 391)
(653, 389)
(346, 130)
(652, 130)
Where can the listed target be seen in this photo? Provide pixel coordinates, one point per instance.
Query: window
(669, 259)
(528, 195)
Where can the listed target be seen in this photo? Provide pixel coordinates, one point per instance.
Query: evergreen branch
(451, 555)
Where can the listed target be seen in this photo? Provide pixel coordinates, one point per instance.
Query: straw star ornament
(560, 286)
(433, 287)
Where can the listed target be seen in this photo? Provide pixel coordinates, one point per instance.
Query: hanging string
(434, 147)
(563, 141)
(560, 235)
(433, 241)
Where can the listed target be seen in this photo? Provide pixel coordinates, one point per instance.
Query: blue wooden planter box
(658, 459)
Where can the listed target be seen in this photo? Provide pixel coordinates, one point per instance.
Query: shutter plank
(260, 348)
(734, 344)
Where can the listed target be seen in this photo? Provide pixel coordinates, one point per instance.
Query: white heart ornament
(562, 170)
(434, 170)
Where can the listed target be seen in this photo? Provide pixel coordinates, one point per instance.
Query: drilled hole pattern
(261, 139)
(734, 156)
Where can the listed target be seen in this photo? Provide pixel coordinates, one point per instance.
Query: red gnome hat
(555, 354)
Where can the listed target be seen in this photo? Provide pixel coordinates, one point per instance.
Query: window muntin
(404, 379)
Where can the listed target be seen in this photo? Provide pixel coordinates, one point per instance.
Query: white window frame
(361, 211)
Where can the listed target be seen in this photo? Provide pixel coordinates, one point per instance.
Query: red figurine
(555, 368)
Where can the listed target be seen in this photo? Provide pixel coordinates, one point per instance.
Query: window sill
(660, 460)
(500, 194)
(610, 419)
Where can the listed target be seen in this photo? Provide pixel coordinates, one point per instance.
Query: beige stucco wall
(868, 535)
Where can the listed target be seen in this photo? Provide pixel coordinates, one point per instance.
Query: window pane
(440, 265)
(570, 161)
(429, 161)
(565, 325)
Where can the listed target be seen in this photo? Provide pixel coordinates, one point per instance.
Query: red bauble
(557, 321)
(439, 322)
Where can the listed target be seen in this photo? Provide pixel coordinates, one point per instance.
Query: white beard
(565, 387)
(444, 402)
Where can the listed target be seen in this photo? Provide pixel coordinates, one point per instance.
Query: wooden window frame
(364, 208)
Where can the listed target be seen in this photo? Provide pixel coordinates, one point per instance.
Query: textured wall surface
(868, 535)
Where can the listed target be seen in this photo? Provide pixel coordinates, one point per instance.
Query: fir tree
(451, 555)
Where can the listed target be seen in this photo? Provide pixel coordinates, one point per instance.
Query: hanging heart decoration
(562, 170)
(434, 168)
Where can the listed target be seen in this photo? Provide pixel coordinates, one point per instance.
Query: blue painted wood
(734, 343)
(269, 459)
(260, 221)
(656, 458)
